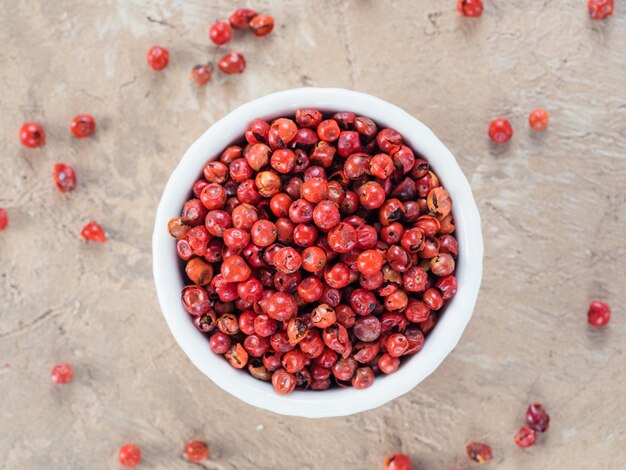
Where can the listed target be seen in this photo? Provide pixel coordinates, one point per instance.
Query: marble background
(552, 205)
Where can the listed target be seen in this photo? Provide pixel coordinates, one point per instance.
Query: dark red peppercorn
(537, 418)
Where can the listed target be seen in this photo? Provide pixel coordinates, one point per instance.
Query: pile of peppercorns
(220, 33)
(319, 250)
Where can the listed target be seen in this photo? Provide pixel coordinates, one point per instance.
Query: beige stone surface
(552, 204)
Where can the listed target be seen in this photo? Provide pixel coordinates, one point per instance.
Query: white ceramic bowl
(335, 402)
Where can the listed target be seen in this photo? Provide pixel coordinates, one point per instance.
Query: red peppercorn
(231, 63)
(500, 130)
(388, 364)
(479, 452)
(283, 382)
(308, 117)
(397, 462)
(397, 345)
(314, 190)
(129, 455)
(4, 219)
(432, 297)
(287, 260)
(196, 451)
(442, 264)
(83, 125)
(64, 177)
(267, 183)
(32, 135)
(363, 378)
(348, 143)
(344, 368)
(599, 314)
(235, 269)
(237, 356)
(241, 18)
(328, 130)
(525, 437)
(220, 342)
(263, 233)
(158, 57)
(265, 325)
(600, 9)
(470, 8)
(262, 25)
(337, 276)
(417, 311)
(387, 139)
(62, 373)
(281, 306)
(310, 289)
(220, 32)
(202, 73)
(370, 262)
(93, 232)
(537, 418)
(538, 119)
(326, 215)
(285, 129)
(367, 328)
(371, 195)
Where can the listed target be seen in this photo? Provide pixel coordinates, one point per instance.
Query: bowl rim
(335, 402)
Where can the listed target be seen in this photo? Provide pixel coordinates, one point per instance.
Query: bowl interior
(334, 402)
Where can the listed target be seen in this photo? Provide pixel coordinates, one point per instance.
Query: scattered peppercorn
(4, 219)
(538, 119)
(500, 131)
(231, 63)
(129, 455)
(397, 462)
(479, 452)
(599, 314)
(196, 451)
(202, 73)
(600, 9)
(470, 8)
(158, 58)
(83, 125)
(62, 373)
(93, 232)
(525, 437)
(64, 177)
(32, 135)
(220, 32)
